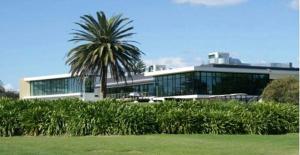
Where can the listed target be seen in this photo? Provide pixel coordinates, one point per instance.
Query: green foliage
(139, 66)
(284, 90)
(2, 90)
(7, 93)
(111, 117)
(104, 47)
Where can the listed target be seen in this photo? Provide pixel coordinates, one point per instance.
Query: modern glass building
(187, 82)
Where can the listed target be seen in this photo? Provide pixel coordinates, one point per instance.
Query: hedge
(111, 117)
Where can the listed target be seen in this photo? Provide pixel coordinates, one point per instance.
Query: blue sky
(34, 33)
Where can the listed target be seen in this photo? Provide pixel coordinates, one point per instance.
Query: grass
(152, 144)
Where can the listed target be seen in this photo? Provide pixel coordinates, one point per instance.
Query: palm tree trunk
(104, 83)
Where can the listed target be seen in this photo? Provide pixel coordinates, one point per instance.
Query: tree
(284, 90)
(7, 93)
(139, 66)
(104, 46)
(2, 89)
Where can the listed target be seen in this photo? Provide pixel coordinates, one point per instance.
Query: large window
(89, 84)
(55, 86)
(210, 83)
(123, 91)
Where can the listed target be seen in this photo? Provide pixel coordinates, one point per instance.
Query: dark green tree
(104, 47)
(284, 90)
(2, 89)
(139, 66)
(7, 93)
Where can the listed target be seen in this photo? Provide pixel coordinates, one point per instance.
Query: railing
(240, 97)
(126, 95)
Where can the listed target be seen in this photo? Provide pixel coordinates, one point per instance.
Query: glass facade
(189, 83)
(56, 86)
(90, 84)
(210, 83)
(123, 91)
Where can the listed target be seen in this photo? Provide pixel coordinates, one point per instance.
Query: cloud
(173, 62)
(210, 2)
(294, 4)
(8, 86)
(176, 62)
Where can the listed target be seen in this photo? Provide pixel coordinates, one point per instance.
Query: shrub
(284, 90)
(111, 117)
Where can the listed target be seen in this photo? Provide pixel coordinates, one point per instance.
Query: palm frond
(104, 46)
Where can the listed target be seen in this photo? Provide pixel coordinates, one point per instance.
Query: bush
(9, 94)
(111, 117)
(284, 90)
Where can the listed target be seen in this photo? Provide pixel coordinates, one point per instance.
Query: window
(124, 90)
(211, 56)
(203, 84)
(55, 86)
(89, 84)
(213, 83)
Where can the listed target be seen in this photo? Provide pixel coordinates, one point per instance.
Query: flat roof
(208, 67)
(227, 68)
(57, 76)
(254, 67)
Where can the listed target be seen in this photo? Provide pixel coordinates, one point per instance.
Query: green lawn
(153, 144)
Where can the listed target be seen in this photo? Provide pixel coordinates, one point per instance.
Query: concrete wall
(90, 97)
(24, 89)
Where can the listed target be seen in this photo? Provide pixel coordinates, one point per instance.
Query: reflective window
(214, 83)
(55, 86)
(124, 91)
(89, 84)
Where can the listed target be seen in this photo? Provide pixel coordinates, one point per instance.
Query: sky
(34, 34)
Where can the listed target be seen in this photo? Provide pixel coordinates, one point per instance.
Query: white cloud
(8, 86)
(210, 2)
(172, 62)
(175, 62)
(294, 4)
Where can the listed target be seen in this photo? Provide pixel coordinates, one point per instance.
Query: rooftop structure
(222, 58)
(225, 59)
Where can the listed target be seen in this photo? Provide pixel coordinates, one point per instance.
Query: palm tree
(104, 47)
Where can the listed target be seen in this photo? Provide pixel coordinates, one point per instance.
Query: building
(159, 83)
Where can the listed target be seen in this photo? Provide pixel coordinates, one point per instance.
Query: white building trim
(221, 69)
(53, 96)
(58, 76)
(171, 71)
